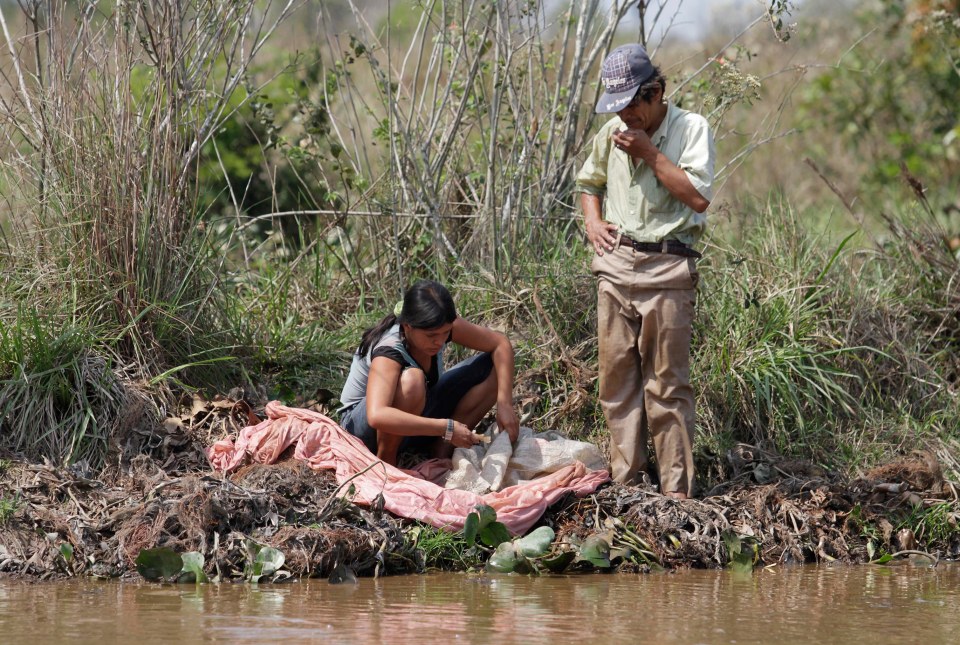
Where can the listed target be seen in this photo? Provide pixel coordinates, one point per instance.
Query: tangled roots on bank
(65, 522)
(791, 511)
(104, 525)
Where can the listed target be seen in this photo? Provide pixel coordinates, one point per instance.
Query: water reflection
(897, 604)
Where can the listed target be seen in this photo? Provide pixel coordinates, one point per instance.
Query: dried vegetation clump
(67, 521)
(791, 511)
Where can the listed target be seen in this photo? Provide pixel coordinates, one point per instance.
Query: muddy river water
(850, 604)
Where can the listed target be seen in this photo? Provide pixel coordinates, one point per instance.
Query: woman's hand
(464, 437)
(508, 421)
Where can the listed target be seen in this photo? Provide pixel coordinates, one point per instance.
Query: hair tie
(398, 308)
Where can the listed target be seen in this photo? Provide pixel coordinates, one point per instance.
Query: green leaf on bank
(158, 564)
(558, 562)
(267, 562)
(471, 527)
(742, 552)
(504, 559)
(537, 543)
(494, 534)
(486, 515)
(595, 550)
(192, 570)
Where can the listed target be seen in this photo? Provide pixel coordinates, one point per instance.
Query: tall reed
(106, 110)
(480, 111)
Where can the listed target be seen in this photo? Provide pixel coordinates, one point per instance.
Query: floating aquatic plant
(263, 561)
(742, 551)
(483, 524)
(522, 553)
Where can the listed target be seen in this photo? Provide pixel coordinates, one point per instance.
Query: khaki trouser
(644, 313)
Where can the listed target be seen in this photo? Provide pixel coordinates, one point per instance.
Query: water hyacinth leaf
(537, 543)
(504, 559)
(595, 550)
(732, 541)
(252, 549)
(486, 515)
(271, 560)
(741, 556)
(255, 572)
(66, 550)
(557, 563)
(158, 564)
(193, 568)
(742, 563)
(252, 569)
(494, 534)
(470, 528)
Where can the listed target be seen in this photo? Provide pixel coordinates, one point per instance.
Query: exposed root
(66, 522)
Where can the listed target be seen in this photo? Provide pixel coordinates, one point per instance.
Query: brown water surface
(862, 604)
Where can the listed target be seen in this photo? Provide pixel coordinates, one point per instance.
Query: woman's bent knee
(411, 394)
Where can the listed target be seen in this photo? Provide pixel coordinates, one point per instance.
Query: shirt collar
(661, 132)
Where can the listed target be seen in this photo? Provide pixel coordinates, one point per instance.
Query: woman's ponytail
(373, 335)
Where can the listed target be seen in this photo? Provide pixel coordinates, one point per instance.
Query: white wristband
(448, 434)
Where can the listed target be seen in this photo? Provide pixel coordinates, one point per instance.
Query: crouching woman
(399, 398)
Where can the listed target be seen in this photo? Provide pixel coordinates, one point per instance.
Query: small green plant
(742, 551)
(164, 564)
(535, 552)
(933, 526)
(8, 506)
(441, 549)
(263, 562)
(855, 521)
(483, 524)
(523, 554)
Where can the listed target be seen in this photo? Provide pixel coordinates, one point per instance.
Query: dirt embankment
(58, 522)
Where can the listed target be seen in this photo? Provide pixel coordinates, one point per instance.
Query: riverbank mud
(58, 522)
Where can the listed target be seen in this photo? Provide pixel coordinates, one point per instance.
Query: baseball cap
(622, 72)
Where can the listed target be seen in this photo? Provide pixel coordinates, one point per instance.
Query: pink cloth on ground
(324, 445)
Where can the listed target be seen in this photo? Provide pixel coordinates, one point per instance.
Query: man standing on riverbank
(644, 188)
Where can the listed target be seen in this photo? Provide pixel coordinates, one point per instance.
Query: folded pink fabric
(324, 445)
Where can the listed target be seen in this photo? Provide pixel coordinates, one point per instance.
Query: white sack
(483, 469)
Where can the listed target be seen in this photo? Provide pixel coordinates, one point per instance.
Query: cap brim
(612, 102)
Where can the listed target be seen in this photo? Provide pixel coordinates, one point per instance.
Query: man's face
(640, 114)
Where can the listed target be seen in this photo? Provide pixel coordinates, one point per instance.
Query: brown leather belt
(674, 247)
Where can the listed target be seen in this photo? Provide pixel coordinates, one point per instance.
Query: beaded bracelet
(448, 435)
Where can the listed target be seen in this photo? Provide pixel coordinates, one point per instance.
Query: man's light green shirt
(633, 197)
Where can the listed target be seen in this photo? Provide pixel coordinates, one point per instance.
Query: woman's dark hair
(426, 305)
(648, 90)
